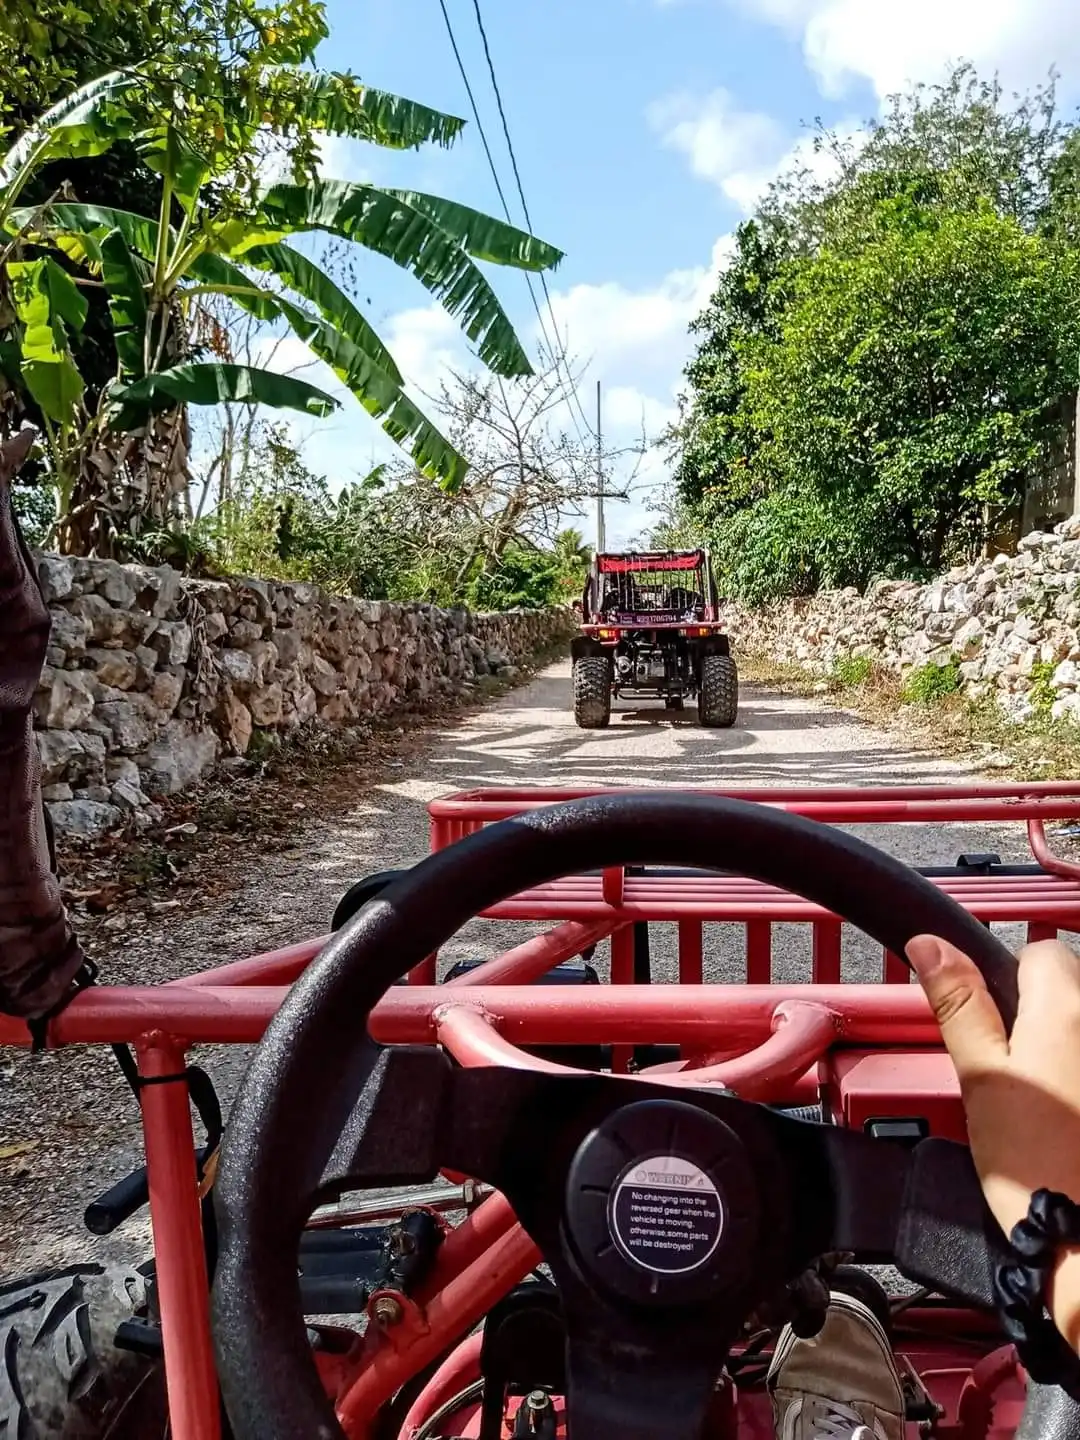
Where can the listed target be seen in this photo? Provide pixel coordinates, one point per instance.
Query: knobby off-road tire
(592, 691)
(61, 1374)
(718, 698)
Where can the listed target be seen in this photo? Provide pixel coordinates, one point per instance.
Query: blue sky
(644, 131)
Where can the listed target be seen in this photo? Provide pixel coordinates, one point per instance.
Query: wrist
(1045, 1257)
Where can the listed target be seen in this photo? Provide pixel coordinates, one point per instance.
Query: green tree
(220, 231)
(877, 369)
(910, 388)
(382, 538)
(714, 442)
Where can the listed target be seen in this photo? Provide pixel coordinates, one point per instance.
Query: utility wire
(561, 352)
(506, 208)
(475, 111)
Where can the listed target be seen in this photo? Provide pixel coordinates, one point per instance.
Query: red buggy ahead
(651, 628)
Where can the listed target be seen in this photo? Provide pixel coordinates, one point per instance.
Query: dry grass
(976, 731)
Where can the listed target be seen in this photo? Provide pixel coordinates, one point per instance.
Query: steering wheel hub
(662, 1206)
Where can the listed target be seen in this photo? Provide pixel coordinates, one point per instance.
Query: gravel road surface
(68, 1127)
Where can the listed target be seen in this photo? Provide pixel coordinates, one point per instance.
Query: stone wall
(1010, 625)
(152, 678)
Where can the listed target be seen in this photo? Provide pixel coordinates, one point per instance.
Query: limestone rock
(131, 723)
(172, 642)
(117, 584)
(165, 691)
(66, 699)
(235, 721)
(55, 573)
(57, 749)
(116, 668)
(177, 758)
(83, 817)
(238, 668)
(67, 631)
(266, 705)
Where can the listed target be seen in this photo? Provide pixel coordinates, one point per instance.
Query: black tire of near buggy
(718, 697)
(61, 1374)
(592, 692)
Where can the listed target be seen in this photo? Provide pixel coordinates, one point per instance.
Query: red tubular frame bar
(990, 800)
(1047, 902)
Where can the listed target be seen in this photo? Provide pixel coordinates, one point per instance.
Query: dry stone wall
(1011, 626)
(152, 678)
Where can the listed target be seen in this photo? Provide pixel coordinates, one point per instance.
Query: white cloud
(626, 408)
(343, 158)
(741, 151)
(610, 323)
(889, 44)
(735, 149)
(427, 343)
(636, 343)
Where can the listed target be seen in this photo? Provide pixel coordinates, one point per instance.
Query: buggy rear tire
(592, 692)
(62, 1376)
(718, 697)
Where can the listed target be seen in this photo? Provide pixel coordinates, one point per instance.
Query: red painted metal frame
(650, 561)
(770, 1041)
(453, 816)
(1047, 903)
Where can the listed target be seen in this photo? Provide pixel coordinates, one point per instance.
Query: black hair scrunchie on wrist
(1020, 1286)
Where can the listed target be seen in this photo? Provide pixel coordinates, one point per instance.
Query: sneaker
(841, 1385)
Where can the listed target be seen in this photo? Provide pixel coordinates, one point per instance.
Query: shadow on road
(530, 739)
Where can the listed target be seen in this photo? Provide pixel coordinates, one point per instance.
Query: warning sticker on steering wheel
(666, 1214)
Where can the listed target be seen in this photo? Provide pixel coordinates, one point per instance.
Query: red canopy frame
(661, 560)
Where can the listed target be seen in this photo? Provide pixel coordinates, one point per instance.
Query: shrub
(930, 683)
(522, 577)
(1041, 691)
(850, 671)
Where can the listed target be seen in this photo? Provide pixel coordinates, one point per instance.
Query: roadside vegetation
(927, 708)
(884, 365)
(167, 225)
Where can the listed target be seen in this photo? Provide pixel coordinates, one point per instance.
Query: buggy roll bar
(1044, 895)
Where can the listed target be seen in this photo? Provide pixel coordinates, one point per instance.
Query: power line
(553, 350)
(525, 207)
(475, 111)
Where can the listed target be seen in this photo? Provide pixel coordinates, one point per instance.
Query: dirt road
(74, 1117)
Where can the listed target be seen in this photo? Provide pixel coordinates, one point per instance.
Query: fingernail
(926, 953)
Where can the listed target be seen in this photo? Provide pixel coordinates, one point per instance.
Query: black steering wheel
(651, 1307)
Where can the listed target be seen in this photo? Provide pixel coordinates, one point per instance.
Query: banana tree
(123, 467)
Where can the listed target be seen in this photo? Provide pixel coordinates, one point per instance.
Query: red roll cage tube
(781, 1043)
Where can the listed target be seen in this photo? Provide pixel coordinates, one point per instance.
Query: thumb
(970, 1024)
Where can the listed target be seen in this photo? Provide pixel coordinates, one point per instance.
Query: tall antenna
(599, 479)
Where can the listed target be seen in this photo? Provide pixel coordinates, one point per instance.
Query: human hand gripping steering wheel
(581, 1157)
(1021, 1091)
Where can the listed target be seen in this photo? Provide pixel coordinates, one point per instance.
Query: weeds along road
(68, 1126)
